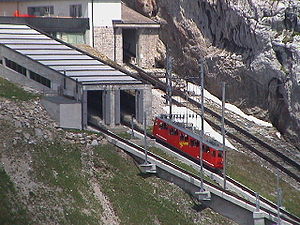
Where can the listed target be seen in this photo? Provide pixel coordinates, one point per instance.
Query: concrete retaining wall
(67, 112)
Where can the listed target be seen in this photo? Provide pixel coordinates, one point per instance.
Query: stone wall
(109, 42)
(104, 40)
(118, 50)
(147, 47)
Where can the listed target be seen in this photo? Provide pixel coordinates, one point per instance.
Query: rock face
(254, 46)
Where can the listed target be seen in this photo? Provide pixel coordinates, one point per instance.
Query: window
(75, 10)
(163, 126)
(194, 143)
(16, 67)
(173, 131)
(40, 79)
(213, 153)
(220, 154)
(41, 10)
(183, 137)
(206, 149)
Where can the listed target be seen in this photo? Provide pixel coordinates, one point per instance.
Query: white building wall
(61, 8)
(104, 10)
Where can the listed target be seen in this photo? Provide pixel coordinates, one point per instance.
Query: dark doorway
(94, 104)
(127, 100)
(130, 46)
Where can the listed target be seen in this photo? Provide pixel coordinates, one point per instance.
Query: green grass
(12, 91)
(11, 210)
(132, 196)
(58, 165)
(243, 169)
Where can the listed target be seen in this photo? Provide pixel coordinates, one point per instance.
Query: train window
(205, 148)
(186, 138)
(220, 154)
(197, 143)
(213, 153)
(181, 137)
(173, 131)
(194, 143)
(163, 126)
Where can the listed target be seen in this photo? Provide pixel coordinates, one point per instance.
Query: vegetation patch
(253, 175)
(11, 210)
(132, 196)
(12, 91)
(58, 165)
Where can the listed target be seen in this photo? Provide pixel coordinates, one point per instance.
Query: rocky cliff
(252, 45)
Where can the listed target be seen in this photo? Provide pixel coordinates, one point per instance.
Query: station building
(79, 85)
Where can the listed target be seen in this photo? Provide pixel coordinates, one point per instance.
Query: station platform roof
(61, 57)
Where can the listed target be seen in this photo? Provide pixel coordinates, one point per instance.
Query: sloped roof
(60, 56)
(133, 19)
(131, 16)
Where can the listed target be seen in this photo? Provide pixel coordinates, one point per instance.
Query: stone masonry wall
(104, 41)
(118, 46)
(147, 43)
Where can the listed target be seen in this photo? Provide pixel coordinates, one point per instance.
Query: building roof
(61, 56)
(134, 19)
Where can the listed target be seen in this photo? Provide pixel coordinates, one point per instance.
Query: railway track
(286, 216)
(256, 145)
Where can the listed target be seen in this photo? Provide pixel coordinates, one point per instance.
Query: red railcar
(187, 141)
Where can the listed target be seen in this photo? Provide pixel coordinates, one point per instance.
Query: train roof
(192, 133)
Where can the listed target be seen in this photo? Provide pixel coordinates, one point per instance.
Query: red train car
(187, 141)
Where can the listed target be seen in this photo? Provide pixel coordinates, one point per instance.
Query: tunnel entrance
(127, 100)
(95, 104)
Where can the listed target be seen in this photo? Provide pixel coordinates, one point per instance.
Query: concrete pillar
(84, 109)
(258, 218)
(139, 105)
(111, 107)
(143, 103)
(117, 107)
(106, 106)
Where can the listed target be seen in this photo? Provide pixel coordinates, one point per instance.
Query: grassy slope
(250, 173)
(139, 199)
(58, 165)
(11, 210)
(12, 91)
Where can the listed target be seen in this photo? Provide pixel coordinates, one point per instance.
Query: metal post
(223, 134)
(278, 199)
(202, 122)
(145, 138)
(169, 81)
